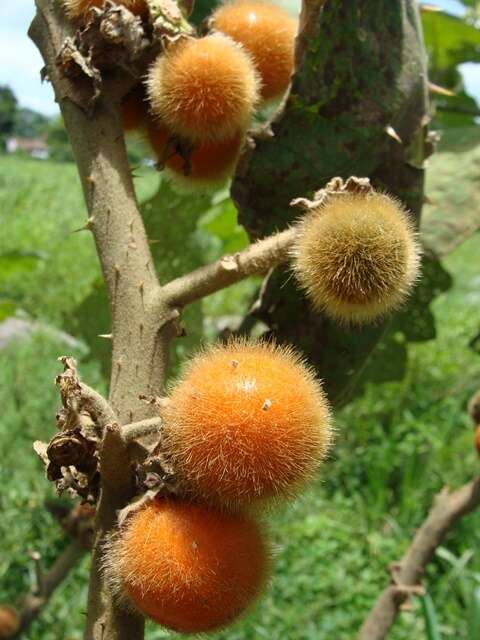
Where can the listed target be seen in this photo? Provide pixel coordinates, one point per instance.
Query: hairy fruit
(203, 90)
(268, 33)
(357, 256)
(188, 567)
(247, 421)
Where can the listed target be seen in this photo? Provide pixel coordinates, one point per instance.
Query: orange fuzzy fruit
(247, 421)
(203, 165)
(357, 256)
(134, 110)
(203, 90)
(268, 33)
(81, 8)
(9, 621)
(187, 566)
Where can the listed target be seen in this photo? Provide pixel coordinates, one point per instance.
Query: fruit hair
(204, 90)
(187, 566)
(357, 256)
(247, 421)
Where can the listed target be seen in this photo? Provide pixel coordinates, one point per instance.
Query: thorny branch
(144, 316)
(258, 258)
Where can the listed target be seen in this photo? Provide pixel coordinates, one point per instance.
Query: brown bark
(144, 315)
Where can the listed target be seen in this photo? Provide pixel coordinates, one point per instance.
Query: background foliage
(398, 442)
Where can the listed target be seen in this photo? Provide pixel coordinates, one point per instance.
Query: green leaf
(430, 616)
(474, 615)
(449, 40)
(7, 309)
(460, 110)
(414, 323)
(13, 262)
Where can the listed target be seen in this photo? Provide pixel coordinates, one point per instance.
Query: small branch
(32, 604)
(39, 573)
(447, 510)
(258, 258)
(149, 427)
(117, 479)
(101, 412)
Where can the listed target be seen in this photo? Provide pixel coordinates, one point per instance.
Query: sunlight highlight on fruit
(268, 33)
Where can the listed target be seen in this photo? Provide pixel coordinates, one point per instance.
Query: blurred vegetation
(398, 443)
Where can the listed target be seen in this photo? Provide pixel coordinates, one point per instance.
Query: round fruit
(247, 421)
(188, 567)
(357, 256)
(203, 90)
(202, 165)
(268, 33)
(9, 621)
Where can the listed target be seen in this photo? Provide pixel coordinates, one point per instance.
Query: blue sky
(20, 62)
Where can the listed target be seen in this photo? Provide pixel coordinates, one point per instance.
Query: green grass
(42, 208)
(397, 444)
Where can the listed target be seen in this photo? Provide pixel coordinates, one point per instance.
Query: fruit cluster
(248, 423)
(245, 425)
(201, 93)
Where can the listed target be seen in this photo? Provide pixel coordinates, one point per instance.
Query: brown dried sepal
(79, 67)
(73, 464)
(154, 470)
(70, 389)
(157, 473)
(71, 448)
(112, 38)
(71, 457)
(78, 484)
(169, 18)
(336, 187)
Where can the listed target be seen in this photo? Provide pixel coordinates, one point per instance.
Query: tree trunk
(357, 106)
